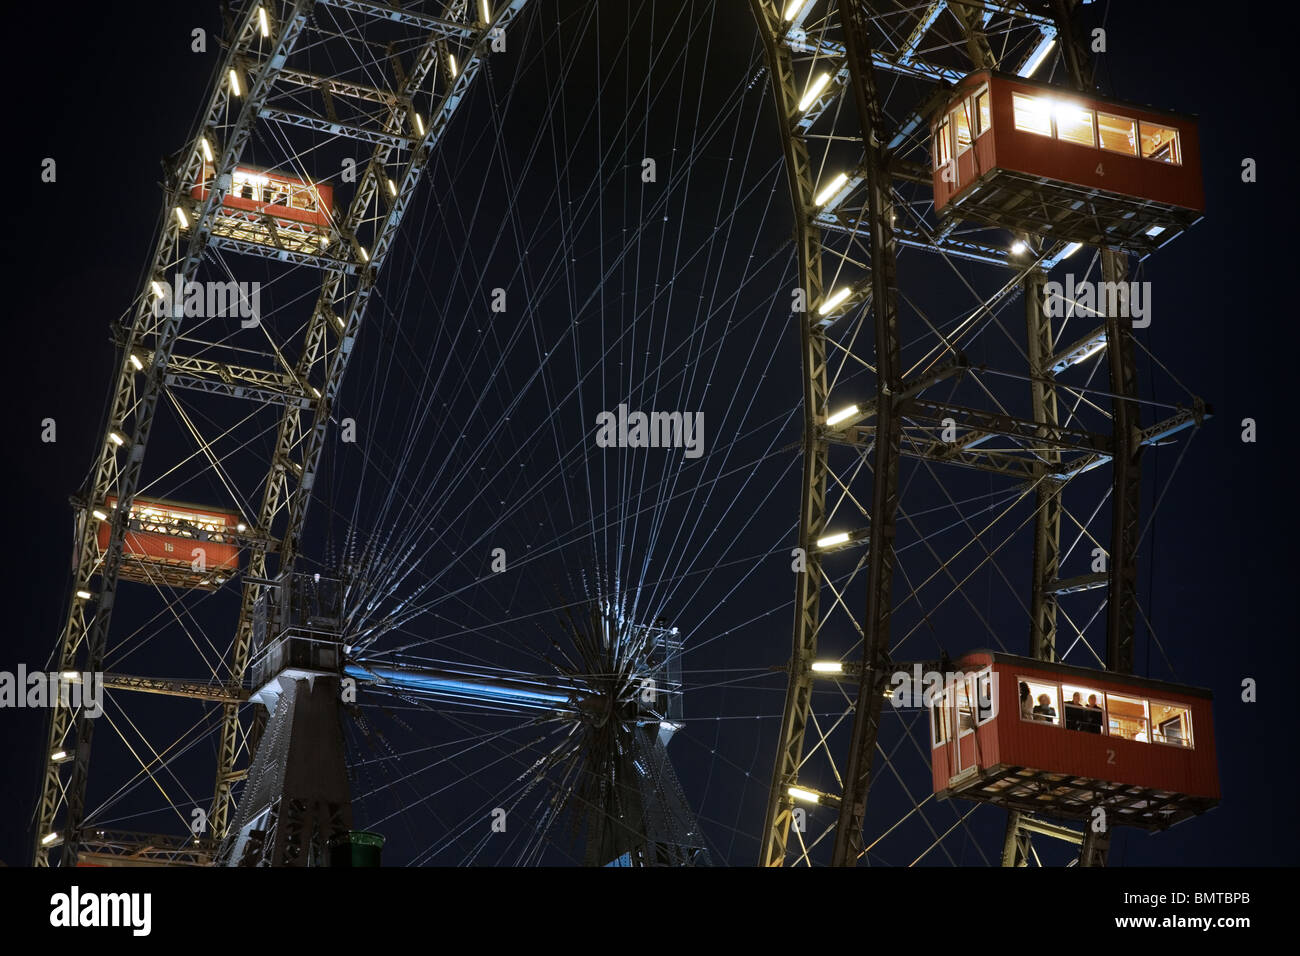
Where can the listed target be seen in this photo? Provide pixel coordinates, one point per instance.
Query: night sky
(118, 89)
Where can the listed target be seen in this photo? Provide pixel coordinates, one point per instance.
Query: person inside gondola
(1075, 715)
(1045, 712)
(1026, 702)
(1093, 715)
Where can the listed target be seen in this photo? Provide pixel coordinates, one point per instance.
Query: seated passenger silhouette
(1093, 716)
(1045, 712)
(1075, 717)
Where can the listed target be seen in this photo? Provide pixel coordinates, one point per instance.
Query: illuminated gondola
(271, 208)
(174, 544)
(1062, 740)
(1046, 162)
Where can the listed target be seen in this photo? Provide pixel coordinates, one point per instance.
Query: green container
(358, 848)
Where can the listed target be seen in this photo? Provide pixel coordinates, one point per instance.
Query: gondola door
(959, 715)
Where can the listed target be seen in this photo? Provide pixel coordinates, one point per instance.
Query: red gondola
(272, 208)
(162, 539)
(1060, 740)
(1044, 161)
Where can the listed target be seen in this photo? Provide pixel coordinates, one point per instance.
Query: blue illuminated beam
(485, 689)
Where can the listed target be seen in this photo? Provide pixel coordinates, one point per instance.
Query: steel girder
(195, 690)
(1126, 513)
(884, 488)
(918, 442)
(446, 27)
(1047, 522)
(238, 381)
(1035, 205)
(964, 249)
(812, 509)
(127, 848)
(1126, 495)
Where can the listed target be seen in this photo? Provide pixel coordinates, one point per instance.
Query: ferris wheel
(428, 599)
(511, 618)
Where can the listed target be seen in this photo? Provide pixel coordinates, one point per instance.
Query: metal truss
(397, 73)
(124, 848)
(1034, 206)
(812, 511)
(888, 440)
(194, 690)
(1074, 798)
(862, 200)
